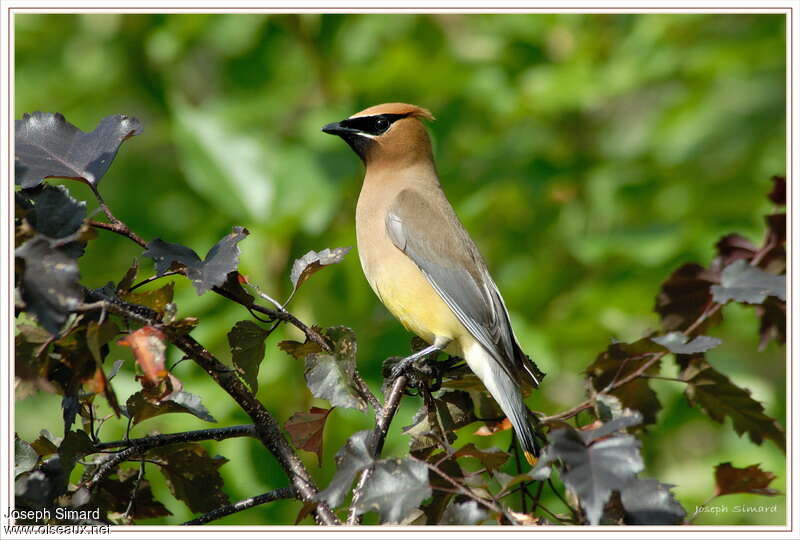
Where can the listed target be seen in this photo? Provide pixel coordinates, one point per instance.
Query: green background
(588, 155)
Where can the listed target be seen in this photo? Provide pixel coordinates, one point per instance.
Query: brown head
(389, 134)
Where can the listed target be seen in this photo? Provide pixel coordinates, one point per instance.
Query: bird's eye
(381, 125)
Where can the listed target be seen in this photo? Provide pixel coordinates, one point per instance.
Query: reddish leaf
(148, 350)
(490, 428)
(306, 430)
(684, 297)
(751, 479)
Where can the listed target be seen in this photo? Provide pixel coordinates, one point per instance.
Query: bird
(422, 263)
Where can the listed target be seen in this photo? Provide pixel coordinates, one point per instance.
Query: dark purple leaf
(749, 284)
(192, 475)
(718, 397)
(312, 261)
(351, 459)
(649, 502)
(395, 488)
(329, 375)
(679, 343)
(50, 286)
(221, 260)
(46, 145)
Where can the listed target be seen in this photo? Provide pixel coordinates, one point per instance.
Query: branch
(274, 495)
(383, 419)
(267, 429)
(154, 441)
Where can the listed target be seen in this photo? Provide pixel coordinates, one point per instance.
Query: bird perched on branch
(422, 263)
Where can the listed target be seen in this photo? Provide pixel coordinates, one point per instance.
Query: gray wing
(433, 237)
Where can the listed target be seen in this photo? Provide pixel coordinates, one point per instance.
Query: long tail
(507, 394)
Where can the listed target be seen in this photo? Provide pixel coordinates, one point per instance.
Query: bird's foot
(403, 366)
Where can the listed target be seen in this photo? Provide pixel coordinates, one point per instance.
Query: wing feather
(453, 266)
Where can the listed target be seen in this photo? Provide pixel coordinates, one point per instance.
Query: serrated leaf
(684, 296)
(395, 488)
(743, 282)
(74, 446)
(595, 464)
(117, 493)
(246, 340)
(25, 457)
(620, 360)
(155, 299)
(679, 343)
(192, 475)
(312, 262)
(330, 375)
(129, 278)
(46, 145)
(306, 428)
(221, 260)
(752, 479)
(50, 285)
(351, 459)
(466, 513)
(55, 214)
(718, 397)
(140, 406)
(649, 502)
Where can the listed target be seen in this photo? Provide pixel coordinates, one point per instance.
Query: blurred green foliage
(588, 155)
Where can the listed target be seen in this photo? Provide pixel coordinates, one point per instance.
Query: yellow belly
(409, 296)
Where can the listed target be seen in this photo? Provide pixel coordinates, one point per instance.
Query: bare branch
(274, 495)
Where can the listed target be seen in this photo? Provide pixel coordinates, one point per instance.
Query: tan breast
(394, 277)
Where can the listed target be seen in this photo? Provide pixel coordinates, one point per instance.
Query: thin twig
(274, 495)
(153, 278)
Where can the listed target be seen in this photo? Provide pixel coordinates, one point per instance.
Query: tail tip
(530, 458)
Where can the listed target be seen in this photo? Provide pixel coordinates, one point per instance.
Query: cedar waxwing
(422, 263)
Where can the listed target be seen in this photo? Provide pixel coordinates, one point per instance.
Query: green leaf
(330, 375)
(246, 340)
(491, 458)
(156, 299)
(395, 488)
(25, 457)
